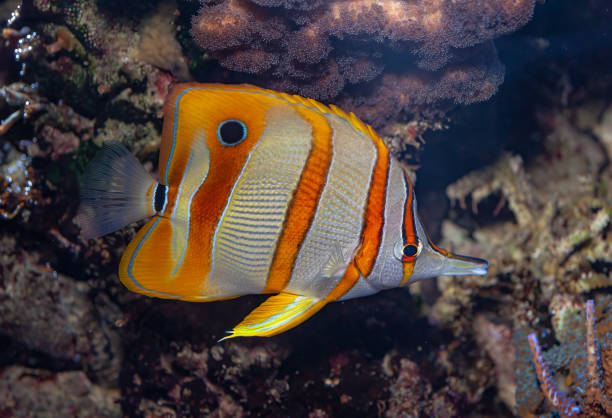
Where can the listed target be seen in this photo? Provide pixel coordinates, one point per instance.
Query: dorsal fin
(350, 118)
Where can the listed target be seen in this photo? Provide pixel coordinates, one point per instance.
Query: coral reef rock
(51, 313)
(45, 394)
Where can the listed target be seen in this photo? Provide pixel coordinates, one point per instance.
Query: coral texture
(26, 392)
(430, 51)
(594, 394)
(549, 246)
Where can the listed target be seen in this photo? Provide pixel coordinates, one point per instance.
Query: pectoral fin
(277, 314)
(336, 264)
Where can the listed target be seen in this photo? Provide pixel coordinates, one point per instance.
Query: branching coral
(548, 240)
(597, 395)
(563, 226)
(557, 398)
(435, 50)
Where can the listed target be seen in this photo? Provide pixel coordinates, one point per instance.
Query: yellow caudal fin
(277, 314)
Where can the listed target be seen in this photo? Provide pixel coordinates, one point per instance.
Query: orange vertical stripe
(199, 114)
(226, 163)
(374, 220)
(409, 234)
(303, 206)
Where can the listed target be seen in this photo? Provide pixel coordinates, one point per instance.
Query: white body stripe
(246, 237)
(388, 270)
(194, 175)
(339, 216)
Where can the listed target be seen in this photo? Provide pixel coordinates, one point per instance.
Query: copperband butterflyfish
(261, 192)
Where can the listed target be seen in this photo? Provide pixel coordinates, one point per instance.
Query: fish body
(262, 192)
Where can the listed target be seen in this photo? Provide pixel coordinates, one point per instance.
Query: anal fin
(277, 314)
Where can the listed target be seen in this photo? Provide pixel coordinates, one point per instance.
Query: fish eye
(407, 251)
(410, 250)
(231, 132)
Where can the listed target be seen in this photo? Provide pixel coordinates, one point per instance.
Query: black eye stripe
(231, 132)
(160, 197)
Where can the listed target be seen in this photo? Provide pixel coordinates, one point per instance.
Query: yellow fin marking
(277, 314)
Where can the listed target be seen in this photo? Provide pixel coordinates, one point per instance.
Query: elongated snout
(462, 265)
(434, 262)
